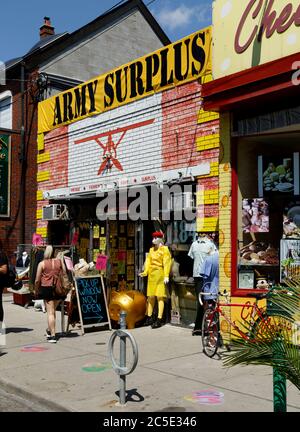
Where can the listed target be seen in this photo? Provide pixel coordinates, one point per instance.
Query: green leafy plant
(287, 262)
(272, 343)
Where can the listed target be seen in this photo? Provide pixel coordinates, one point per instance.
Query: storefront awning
(267, 82)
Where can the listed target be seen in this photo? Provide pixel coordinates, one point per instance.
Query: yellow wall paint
(207, 224)
(40, 141)
(43, 176)
(208, 142)
(43, 157)
(227, 16)
(210, 196)
(42, 231)
(39, 214)
(225, 214)
(207, 116)
(39, 195)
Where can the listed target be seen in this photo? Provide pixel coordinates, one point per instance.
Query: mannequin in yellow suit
(157, 268)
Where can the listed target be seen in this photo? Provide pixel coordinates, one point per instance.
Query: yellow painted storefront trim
(42, 231)
(225, 210)
(207, 116)
(207, 224)
(39, 214)
(39, 195)
(43, 157)
(210, 196)
(214, 170)
(40, 142)
(208, 142)
(43, 176)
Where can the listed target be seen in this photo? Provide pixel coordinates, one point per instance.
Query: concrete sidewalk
(172, 373)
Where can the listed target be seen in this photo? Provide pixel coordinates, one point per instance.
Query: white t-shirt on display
(199, 249)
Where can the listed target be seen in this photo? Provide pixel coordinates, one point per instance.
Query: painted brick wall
(52, 173)
(225, 210)
(167, 141)
(180, 107)
(207, 145)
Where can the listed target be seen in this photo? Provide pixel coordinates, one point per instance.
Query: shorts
(47, 293)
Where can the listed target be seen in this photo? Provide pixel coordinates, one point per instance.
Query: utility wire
(15, 100)
(148, 4)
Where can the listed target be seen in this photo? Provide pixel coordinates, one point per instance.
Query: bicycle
(211, 337)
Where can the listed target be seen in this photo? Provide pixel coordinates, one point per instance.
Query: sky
(21, 20)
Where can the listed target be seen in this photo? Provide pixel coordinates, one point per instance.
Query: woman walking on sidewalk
(48, 270)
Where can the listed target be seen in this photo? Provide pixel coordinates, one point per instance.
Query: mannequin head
(157, 238)
(25, 255)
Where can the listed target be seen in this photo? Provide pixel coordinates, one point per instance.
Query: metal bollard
(121, 369)
(122, 358)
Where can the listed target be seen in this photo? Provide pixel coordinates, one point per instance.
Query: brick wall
(165, 132)
(10, 230)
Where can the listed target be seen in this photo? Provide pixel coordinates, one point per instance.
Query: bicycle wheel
(210, 332)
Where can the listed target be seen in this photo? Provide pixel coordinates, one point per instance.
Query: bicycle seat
(258, 295)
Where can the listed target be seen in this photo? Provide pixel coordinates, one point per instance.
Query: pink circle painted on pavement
(33, 349)
(206, 397)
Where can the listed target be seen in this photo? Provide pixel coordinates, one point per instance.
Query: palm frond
(270, 342)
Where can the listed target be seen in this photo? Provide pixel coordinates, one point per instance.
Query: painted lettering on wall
(175, 64)
(75, 103)
(272, 21)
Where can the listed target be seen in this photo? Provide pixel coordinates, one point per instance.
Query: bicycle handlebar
(223, 294)
(257, 295)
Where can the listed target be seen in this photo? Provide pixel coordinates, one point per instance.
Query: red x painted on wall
(110, 148)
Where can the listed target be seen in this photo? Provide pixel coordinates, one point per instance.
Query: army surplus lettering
(66, 112)
(127, 82)
(174, 64)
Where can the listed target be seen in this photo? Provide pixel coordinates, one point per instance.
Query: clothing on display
(202, 246)
(210, 275)
(200, 249)
(157, 267)
(23, 260)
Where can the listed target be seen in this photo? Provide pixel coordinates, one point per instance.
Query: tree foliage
(272, 341)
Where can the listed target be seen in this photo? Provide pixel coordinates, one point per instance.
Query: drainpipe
(22, 159)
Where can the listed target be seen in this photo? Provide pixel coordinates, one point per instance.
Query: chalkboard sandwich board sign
(91, 298)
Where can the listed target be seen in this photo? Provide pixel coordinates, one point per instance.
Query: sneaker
(52, 339)
(48, 334)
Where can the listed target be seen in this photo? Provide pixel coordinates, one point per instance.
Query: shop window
(6, 110)
(267, 228)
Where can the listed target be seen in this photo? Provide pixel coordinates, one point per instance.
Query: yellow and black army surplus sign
(183, 61)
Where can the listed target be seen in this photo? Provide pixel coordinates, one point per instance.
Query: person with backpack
(3, 281)
(48, 271)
